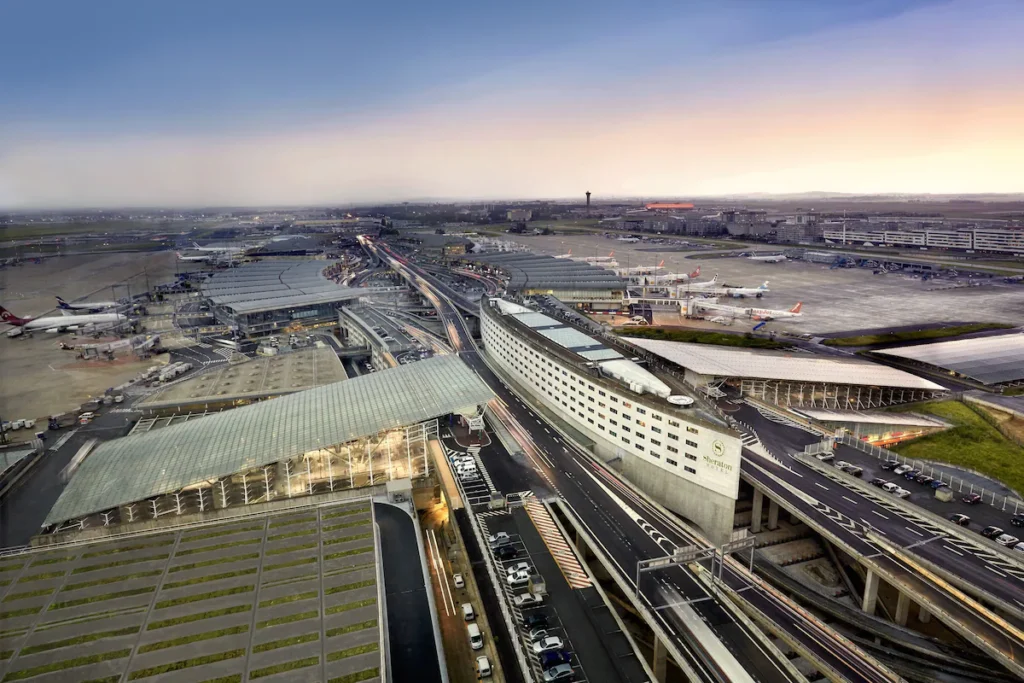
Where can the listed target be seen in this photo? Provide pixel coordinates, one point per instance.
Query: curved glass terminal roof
(134, 468)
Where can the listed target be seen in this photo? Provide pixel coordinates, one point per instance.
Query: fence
(996, 500)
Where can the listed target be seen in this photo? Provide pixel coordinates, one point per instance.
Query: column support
(902, 609)
(773, 515)
(758, 510)
(870, 592)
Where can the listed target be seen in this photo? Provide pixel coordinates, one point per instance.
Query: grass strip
(101, 598)
(285, 599)
(212, 577)
(357, 676)
(294, 520)
(285, 582)
(348, 570)
(234, 678)
(185, 664)
(286, 642)
(218, 546)
(347, 553)
(40, 577)
(199, 597)
(28, 594)
(351, 628)
(353, 651)
(13, 633)
(5, 582)
(292, 563)
(344, 513)
(346, 539)
(78, 640)
(52, 560)
(210, 563)
(346, 525)
(92, 616)
(188, 618)
(194, 638)
(6, 654)
(118, 563)
(223, 532)
(699, 337)
(292, 534)
(66, 664)
(10, 614)
(290, 549)
(913, 335)
(11, 567)
(291, 618)
(350, 587)
(284, 666)
(108, 679)
(127, 549)
(110, 579)
(350, 606)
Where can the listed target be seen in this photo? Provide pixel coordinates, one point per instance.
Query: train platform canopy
(725, 362)
(263, 286)
(988, 360)
(884, 418)
(135, 468)
(528, 271)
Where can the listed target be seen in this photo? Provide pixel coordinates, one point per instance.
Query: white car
(498, 539)
(1007, 540)
(527, 600)
(538, 634)
(517, 579)
(901, 492)
(549, 643)
(520, 567)
(902, 469)
(459, 580)
(483, 667)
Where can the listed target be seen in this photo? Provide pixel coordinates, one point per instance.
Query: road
(714, 645)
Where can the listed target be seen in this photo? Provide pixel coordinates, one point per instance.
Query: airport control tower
(588, 200)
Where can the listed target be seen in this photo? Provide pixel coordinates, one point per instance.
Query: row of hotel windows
(540, 377)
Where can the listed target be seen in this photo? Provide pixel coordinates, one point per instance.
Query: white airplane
(197, 257)
(92, 306)
(640, 270)
(674, 277)
(627, 239)
(609, 259)
(700, 286)
(227, 250)
(61, 323)
(752, 313)
(741, 292)
(774, 258)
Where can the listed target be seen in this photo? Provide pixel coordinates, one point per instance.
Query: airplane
(61, 323)
(200, 257)
(228, 250)
(641, 270)
(691, 286)
(741, 292)
(752, 313)
(596, 259)
(91, 306)
(627, 239)
(774, 258)
(568, 255)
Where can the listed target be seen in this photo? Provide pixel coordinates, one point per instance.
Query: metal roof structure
(859, 417)
(269, 285)
(535, 271)
(719, 361)
(134, 468)
(989, 360)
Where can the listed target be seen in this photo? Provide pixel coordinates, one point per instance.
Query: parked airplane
(61, 323)
(774, 258)
(91, 306)
(196, 257)
(627, 239)
(741, 292)
(752, 313)
(609, 259)
(700, 286)
(228, 250)
(640, 270)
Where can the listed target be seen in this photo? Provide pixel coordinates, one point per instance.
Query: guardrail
(997, 500)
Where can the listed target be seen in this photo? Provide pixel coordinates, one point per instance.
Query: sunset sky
(114, 103)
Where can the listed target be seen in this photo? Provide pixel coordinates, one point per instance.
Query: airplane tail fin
(10, 318)
(796, 309)
(764, 285)
(662, 263)
(611, 253)
(695, 274)
(61, 304)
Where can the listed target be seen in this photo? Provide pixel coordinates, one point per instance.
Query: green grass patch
(110, 579)
(348, 570)
(294, 520)
(285, 582)
(212, 577)
(699, 337)
(52, 560)
(10, 614)
(127, 549)
(40, 577)
(224, 532)
(350, 606)
(13, 633)
(92, 616)
(291, 549)
(6, 654)
(351, 628)
(347, 553)
(194, 638)
(292, 534)
(78, 640)
(285, 599)
(346, 539)
(218, 546)
(154, 625)
(364, 675)
(66, 664)
(5, 582)
(346, 525)
(118, 563)
(185, 664)
(199, 597)
(286, 642)
(234, 678)
(914, 335)
(343, 513)
(108, 679)
(27, 594)
(11, 567)
(350, 587)
(101, 598)
(292, 563)
(353, 651)
(284, 666)
(972, 443)
(291, 618)
(1013, 391)
(210, 563)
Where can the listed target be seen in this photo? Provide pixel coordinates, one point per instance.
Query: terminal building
(574, 282)
(634, 419)
(993, 239)
(993, 362)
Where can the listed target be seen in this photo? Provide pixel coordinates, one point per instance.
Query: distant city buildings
(519, 215)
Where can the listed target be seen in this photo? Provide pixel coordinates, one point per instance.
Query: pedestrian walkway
(559, 548)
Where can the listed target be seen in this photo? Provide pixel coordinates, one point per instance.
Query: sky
(124, 103)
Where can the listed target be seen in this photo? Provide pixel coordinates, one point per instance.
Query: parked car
(937, 484)
(1019, 547)
(517, 579)
(924, 479)
(561, 672)
(1017, 520)
(825, 457)
(854, 471)
(902, 469)
(911, 475)
(878, 482)
(1007, 540)
(901, 492)
(889, 465)
(506, 552)
(991, 532)
(499, 539)
(459, 580)
(549, 643)
(961, 519)
(538, 634)
(971, 499)
(554, 658)
(483, 667)
(520, 567)
(527, 600)
(535, 620)
(890, 487)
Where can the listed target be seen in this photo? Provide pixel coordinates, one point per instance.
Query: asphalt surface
(410, 630)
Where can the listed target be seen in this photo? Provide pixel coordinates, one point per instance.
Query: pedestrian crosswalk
(559, 548)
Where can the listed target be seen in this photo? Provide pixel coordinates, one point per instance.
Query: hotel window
(655, 442)
(673, 423)
(691, 444)
(601, 427)
(691, 456)
(590, 420)
(641, 423)
(655, 455)
(639, 448)
(601, 416)
(589, 386)
(601, 405)
(670, 461)
(692, 430)
(656, 430)
(639, 435)
(627, 404)
(690, 469)
(672, 449)
(672, 436)
(656, 417)
(589, 409)
(625, 429)
(625, 440)
(601, 393)
(641, 411)
(614, 399)
(627, 418)
(611, 432)
(614, 411)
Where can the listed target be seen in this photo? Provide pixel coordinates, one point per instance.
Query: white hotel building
(686, 463)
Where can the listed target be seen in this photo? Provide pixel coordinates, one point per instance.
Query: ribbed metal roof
(531, 271)
(989, 360)
(264, 286)
(134, 468)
